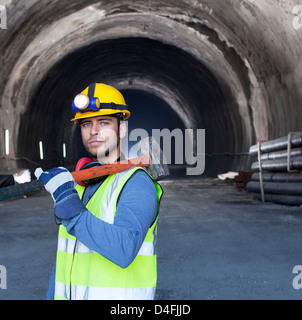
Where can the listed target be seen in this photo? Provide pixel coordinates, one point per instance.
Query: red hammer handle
(107, 169)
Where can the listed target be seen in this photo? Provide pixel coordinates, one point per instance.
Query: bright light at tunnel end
(6, 138)
(41, 150)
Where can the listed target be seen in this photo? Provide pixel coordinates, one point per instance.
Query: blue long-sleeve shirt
(118, 242)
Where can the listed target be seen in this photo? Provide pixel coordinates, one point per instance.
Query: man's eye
(104, 123)
(85, 124)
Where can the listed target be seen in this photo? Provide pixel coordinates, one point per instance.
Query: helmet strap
(91, 90)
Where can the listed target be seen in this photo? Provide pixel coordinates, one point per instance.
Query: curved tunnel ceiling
(195, 95)
(207, 60)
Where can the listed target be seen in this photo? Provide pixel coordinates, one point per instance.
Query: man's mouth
(95, 142)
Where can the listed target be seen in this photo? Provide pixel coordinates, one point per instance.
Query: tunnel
(231, 68)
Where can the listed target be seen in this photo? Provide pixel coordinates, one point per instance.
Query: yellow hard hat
(99, 99)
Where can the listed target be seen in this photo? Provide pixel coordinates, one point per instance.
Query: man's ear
(123, 130)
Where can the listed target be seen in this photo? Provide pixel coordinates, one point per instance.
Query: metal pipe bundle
(279, 165)
(278, 177)
(281, 154)
(277, 144)
(277, 174)
(286, 188)
(281, 199)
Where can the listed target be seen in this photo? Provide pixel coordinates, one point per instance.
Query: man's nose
(94, 129)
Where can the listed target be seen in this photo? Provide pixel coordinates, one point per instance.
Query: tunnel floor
(214, 243)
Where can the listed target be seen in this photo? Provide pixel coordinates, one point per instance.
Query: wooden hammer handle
(107, 169)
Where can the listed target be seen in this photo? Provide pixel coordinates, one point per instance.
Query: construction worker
(106, 242)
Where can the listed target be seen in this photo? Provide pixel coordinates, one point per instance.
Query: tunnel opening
(153, 76)
(155, 116)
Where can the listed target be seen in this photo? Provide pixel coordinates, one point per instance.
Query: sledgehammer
(149, 156)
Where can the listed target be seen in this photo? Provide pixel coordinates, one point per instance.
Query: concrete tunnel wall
(232, 68)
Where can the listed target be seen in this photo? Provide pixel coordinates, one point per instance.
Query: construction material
(280, 199)
(6, 180)
(286, 188)
(242, 179)
(280, 165)
(151, 158)
(277, 144)
(21, 190)
(277, 173)
(260, 172)
(229, 175)
(278, 177)
(281, 154)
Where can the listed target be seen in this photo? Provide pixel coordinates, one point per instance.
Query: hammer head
(158, 169)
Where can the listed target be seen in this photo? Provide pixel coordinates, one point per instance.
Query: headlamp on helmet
(99, 99)
(82, 103)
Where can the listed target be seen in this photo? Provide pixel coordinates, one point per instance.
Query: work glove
(60, 184)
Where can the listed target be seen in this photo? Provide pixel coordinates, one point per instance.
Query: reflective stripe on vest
(82, 273)
(68, 246)
(93, 293)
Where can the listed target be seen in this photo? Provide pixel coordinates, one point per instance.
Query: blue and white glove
(60, 184)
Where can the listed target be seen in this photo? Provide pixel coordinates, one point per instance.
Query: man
(106, 244)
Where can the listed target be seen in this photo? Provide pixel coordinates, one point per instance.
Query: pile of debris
(277, 173)
(241, 178)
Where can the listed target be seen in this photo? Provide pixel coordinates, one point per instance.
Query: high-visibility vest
(83, 274)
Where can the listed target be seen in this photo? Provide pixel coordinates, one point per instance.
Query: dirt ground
(214, 243)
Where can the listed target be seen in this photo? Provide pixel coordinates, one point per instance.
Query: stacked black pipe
(281, 170)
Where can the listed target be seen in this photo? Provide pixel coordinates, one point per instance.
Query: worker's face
(100, 137)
